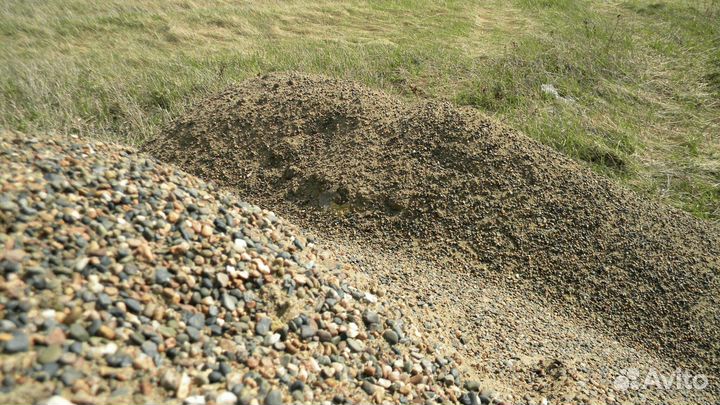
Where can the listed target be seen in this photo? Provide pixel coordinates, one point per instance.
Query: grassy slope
(643, 77)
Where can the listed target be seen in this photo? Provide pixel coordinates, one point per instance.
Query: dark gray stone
(103, 301)
(308, 331)
(69, 376)
(150, 348)
(193, 334)
(274, 397)
(391, 337)
(78, 332)
(18, 343)
(368, 387)
(197, 321)
(370, 317)
(215, 377)
(133, 305)
(162, 276)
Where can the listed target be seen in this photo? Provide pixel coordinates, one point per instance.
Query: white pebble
(226, 398)
(262, 266)
(104, 350)
(56, 400)
(48, 314)
(352, 330)
(184, 387)
(274, 338)
(372, 298)
(195, 400)
(239, 245)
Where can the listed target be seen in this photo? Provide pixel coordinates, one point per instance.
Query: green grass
(642, 77)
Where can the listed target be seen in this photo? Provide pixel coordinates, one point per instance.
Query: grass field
(638, 82)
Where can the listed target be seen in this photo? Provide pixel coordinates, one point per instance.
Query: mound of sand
(434, 182)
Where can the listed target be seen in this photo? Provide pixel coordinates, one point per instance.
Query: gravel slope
(123, 280)
(432, 182)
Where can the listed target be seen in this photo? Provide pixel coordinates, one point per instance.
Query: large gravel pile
(435, 182)
(127, 281)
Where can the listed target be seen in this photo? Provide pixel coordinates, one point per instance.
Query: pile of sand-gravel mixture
(427, 194)
(127, 281)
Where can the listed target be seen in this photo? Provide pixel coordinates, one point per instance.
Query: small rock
(49, 354)
(352, 330)
(308, 331)
(215, 377)
(229, 302)
(225, 368)
(297, 386)
(274, 397)
(6, 205)
(170, 380)
(324, 336)
(133, 305)
(104, 350)
(18, 343)
(239, 245)
(197, 321)
(55, 337)
(356, 345)
(223, 279)
(103, 301)
(472, 386)
(106, 332)
(370, 297)
(81, 263)
(368, 387)
(143, 362)
(118, 360)
(195, 400)
(162, 276)
(391, 336)
(262, 327)
(193, 333)
(150, 348)
(183, 389)
(79, 333)
(69, 376)
(226, 398)
(167, 331)
(370, 317)
(172, 217)
(56, 400)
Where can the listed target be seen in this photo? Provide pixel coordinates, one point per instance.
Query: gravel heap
(447, 185)
(123, 280)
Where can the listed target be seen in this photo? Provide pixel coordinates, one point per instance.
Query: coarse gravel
(125, 280)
